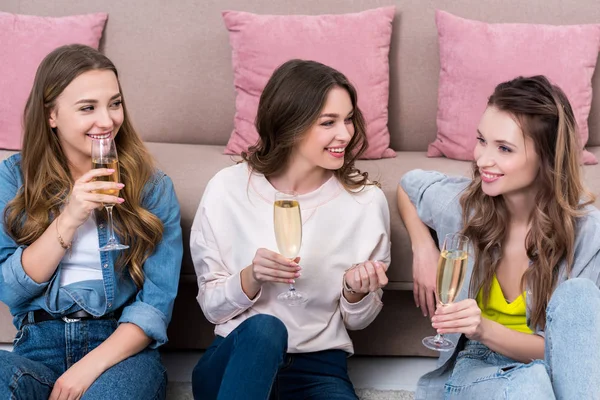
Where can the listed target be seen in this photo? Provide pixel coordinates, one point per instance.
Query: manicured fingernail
(424, 314)
(291, 281)
(298, 274)
(121, 185)
(293, 264)
(120, 200)
(110, 170)
(417, 306)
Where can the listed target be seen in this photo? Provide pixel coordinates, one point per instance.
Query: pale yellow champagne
(288, 227)
(451, 269)
(114, 177)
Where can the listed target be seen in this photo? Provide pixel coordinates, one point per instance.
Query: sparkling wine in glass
(288, 233)
(451, 270)
(104, 155)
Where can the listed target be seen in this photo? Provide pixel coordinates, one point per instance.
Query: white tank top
(83, 262)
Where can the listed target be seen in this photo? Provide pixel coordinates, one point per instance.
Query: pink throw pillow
(24, 42)
(476, 56)
(355, 44)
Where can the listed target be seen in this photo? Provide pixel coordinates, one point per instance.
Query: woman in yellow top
(528, 322)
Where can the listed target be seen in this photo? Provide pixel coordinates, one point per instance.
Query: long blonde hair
(543, 113)
(46, 177)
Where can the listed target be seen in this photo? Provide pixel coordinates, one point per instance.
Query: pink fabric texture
(24, 42)
(476, 56)
(355, 44)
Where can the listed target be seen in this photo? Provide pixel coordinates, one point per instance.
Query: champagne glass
(451, 270)
(288, 233)
(104, 155)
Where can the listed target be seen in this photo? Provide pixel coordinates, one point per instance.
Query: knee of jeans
(268, 328)
(576, 292)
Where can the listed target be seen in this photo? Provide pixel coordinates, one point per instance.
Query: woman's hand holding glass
(366, 277)
(83, 198)
(269, 266)
(460, 317)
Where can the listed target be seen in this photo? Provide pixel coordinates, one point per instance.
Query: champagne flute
(451, 270)
(104, 155)
(288, 233)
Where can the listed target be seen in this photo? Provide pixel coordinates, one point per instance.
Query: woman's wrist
(354, 297)
(250, 286)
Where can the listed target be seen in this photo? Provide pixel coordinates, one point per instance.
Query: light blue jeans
(571, 366)
(43, 351)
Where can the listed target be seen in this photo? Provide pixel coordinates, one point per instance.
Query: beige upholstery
(174, 61)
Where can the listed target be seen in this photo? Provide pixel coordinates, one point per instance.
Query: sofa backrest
(174, 57)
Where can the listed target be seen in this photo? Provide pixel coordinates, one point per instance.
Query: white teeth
(100, 136)
(489, 176)
(338, 150)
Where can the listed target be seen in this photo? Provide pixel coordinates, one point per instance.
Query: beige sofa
(175, 64)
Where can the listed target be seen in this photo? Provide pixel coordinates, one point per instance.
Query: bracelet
(348, 288)
(345, 284)
(60, 239)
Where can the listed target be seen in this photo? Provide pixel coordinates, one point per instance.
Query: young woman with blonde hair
(527, 317)
(89, 322)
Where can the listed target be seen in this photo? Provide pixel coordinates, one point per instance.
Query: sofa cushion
(355, 44)
(24, 41)
(476, 56)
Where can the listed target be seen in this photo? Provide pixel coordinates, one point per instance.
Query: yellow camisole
(512, 315)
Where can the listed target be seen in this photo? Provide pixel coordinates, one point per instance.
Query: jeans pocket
(20, 336)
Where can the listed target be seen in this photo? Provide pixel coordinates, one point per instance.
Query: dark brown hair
(290, 104)
(544, 114)
(46, 175)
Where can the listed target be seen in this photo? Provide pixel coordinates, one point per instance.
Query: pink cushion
(355, 44)
(24, 42)
(476, 56)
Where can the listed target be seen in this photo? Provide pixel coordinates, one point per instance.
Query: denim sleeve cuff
(17, 279)
(235, 295)
(149, 319)
(364, 305)
(414, 181)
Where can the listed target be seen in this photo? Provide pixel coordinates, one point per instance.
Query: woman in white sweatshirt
(311, 132)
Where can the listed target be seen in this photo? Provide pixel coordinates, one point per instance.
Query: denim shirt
(150, 307)
(437, 200)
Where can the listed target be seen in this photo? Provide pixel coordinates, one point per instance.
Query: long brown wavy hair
(47, 180)
(290, 104)
(544, 114)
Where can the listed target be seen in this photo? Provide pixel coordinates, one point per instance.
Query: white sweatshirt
(235, 219)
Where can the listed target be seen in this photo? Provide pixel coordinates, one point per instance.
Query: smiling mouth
(336, 150)
(99, 136)
(488, 177)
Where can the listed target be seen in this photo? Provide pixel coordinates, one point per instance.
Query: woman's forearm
(41, 258)
(418, 232)
(127, 340)
(519, 346)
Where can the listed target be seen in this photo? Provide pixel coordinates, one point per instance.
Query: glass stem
(111, 231)
(438, 338)
(292, 288)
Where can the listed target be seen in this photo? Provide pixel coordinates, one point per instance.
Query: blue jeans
(251, 363)
(43, 351)
(571, 366)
